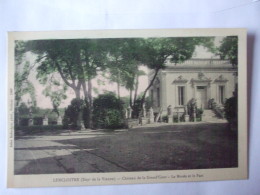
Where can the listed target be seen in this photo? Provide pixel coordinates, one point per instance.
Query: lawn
(165, 148)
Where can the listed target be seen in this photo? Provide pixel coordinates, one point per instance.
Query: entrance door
(202, 97)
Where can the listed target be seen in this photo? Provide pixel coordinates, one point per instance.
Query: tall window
(221, 94)
(158, 97)
(181, 95)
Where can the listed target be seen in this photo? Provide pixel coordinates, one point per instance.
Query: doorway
(201, 97)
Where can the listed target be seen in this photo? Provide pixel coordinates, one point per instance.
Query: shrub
(192, 107)
(230, 109)
(199, 113)
(113, 119)
(108, 112)
(165, 118)
(72, 113)
(24, 121)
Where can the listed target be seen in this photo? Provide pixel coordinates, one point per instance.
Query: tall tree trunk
(131, 99)
(90, 102)
(85, 91)
(136, 87)
(148, 87)
(118, 84)
(77, 93)
(79, 118)
(118, 90)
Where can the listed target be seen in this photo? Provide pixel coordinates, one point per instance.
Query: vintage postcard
(126, 106)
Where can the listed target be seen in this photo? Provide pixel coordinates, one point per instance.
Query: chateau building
(202, 79)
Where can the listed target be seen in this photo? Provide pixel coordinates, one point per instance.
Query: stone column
(129, 112)
(186, 116)
(178, 115)
(82, 126)
(170, 114)
(126, 113)
(30, 118)
(151, 115)
(142, 115)
(45, 120)
(144, 111)
(30, 122)
(59, 121)
(194, 115)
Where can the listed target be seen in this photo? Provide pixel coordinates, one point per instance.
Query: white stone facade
(202, 79)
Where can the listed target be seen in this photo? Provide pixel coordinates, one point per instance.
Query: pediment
(221, 79)
(180, 79)
(201, 78)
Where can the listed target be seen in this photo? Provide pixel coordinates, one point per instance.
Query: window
(158, 97)
(181, 95)
(221, 94)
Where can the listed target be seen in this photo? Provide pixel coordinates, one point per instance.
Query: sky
(45, 102)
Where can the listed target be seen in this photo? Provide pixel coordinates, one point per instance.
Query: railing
(205, 61)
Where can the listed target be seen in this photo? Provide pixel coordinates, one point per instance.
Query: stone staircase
(209, 116)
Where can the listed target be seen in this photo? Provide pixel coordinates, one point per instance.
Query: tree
(76, 61)
(59, 56)
(56, 92)
(120, 63)
(22, 84)
(93, 59)
(123, 65)
(73, 113)
(229, 49)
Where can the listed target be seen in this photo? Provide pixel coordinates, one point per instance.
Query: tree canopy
(229, 49)
(157, 52)
(79, 61)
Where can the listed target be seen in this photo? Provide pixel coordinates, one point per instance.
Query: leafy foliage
(199, 113)
(108, 111)
(72, 113)
(230, 108)
(77, 62)
(56, 93)
(19, 52)
(22, 84)
(192, 108)
(158, 51)
(229, 49)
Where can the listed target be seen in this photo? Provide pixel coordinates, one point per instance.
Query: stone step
(210, 116)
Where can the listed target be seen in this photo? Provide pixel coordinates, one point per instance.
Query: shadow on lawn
(178, 147)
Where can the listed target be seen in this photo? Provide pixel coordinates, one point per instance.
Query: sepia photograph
(94, 108)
